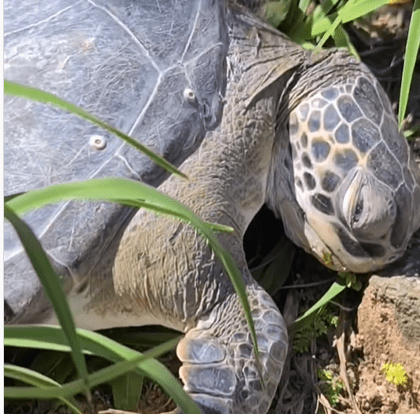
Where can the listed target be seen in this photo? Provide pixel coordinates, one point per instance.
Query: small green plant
(350, 280)
(395, 374)
(330, 386)
(313, 329)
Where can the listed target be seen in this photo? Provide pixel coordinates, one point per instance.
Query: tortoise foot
(220, 370)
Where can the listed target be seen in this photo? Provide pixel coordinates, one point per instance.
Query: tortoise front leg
(188, 290)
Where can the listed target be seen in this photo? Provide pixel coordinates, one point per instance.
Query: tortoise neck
(228, 174)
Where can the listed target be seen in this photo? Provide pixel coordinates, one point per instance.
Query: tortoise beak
(367, 208)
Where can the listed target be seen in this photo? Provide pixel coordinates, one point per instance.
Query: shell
(130, 65)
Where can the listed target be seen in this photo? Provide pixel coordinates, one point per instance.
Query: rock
(409, 264)
(401, 295)
(389, 331)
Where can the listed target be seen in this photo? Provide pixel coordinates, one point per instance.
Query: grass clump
(319, 325)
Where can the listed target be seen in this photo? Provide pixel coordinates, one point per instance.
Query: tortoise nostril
(206, 110)
(373, 219)
(368, 207)
(358, 210)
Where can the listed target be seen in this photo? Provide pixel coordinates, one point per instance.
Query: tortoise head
(353, 192)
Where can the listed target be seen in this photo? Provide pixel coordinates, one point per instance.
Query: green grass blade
(303, 5)
(11, 196)
(322, 25)
(52, 287)
(99, 377)
(351, 11)
(36, 379)
(323, 9)
(331, 29)
(333, 291)
(37, 95)
(342, 39)
(162, 210)
(295, 25)
(126, 391)
(130, 192)
(99, 345)
(274, 12)
(37, 337)
(302, 32)
(412, 49)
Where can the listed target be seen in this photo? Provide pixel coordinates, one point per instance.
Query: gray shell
(155, 70)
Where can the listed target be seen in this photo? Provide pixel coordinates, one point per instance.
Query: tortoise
(252, 118)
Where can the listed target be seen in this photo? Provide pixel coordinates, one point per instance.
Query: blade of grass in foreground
(113, 189)
(36, 379)
(53, 289)
(162, 210)
(412, 49)
(45, 337)
(126, 391)
(37, 95)
(350, 11)
(99, 377)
